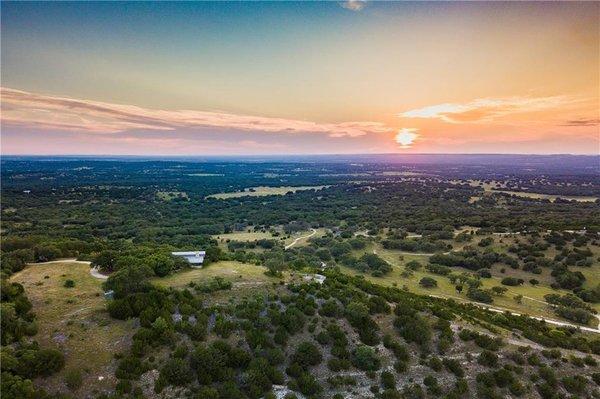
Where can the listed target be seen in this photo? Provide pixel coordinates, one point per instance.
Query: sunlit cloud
(488, 109)
(354, 5)
(29, 110)
(582, 122)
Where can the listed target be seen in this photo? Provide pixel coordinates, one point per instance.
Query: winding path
(502, 310)
(300, 238)
(96, 273)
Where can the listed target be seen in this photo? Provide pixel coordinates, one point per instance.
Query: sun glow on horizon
(406, 137)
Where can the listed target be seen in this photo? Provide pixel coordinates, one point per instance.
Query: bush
(454, 367)
(69, 284)
(511, 281)
(480, 295)
(308, 385)
(574, 384)
(307, 354)
(428, 282)
(176, 372)
(49, 361)
(488, 358)
(388, 380)
(365, 358)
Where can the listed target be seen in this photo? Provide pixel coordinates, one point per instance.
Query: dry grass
(170, 195)
(75, 321)
(532, 303)
(239, 273)
(263, 191)
(245, 236)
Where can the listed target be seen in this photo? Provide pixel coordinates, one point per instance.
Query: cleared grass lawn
(75, 321)
(242, 275)
(263, 191)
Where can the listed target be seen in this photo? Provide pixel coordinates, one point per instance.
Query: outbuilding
(194, 258)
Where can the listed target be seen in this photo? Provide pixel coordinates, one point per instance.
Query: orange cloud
(24, 109)
(489, 109)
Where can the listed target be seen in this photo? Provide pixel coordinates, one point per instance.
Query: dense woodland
(356, 332)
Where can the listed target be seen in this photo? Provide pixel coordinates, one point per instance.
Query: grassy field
(170, 195)
(493, 187)
(245, 236)
(533, 296)
(251, 235)
(75, 321)
(303, 237)
(245, 277)
(263, 191)
(547, 196)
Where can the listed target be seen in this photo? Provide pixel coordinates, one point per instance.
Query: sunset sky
(300, 78)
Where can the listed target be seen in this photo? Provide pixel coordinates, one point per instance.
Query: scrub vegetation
(333, 279)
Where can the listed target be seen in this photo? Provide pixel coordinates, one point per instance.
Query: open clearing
(245, 236)
(533, 296)
(301, 238)
(550, 197)
(75, 321)
(296, 239)
(497, 186)
(171, 195)
(264, 191)
(242, 275)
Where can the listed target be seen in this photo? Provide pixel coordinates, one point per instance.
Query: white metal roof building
(194, 258)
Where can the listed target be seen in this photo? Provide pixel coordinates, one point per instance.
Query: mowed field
(263, 191)
(75, 321)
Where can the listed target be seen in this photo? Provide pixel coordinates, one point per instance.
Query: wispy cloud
(354, 5)
(24, 109)
(487, 109)
(582, 122)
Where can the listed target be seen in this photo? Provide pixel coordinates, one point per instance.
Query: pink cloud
(31, 110)
(489, 109)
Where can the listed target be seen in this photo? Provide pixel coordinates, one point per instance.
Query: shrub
(307, 354)
(387, 380)
(428, 282)
(365, 358)
(453, 365)
(574, 384)
(511, 281)
(488, 358)
(308, 385)
(176, 372)
(69, 284)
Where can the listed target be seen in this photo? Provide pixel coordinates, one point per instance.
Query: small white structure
(194, 258)
(319, 278)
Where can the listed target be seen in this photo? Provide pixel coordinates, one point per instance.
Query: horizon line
(300, 154)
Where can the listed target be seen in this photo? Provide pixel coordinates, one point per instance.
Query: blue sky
(523, 76)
